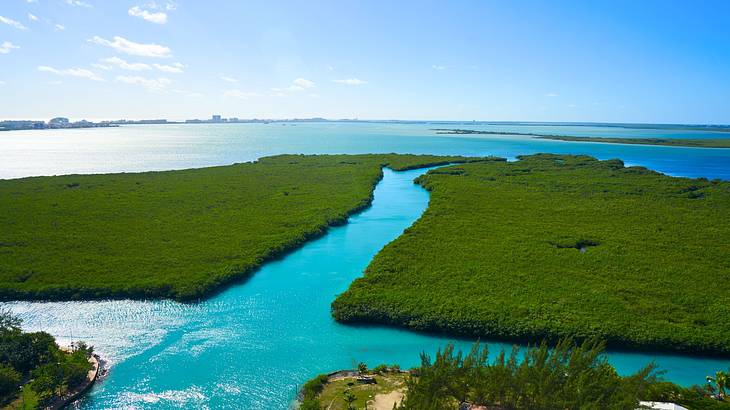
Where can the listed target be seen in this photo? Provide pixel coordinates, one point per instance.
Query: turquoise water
(254, 344)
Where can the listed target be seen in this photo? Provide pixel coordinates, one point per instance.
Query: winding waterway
(252, 345)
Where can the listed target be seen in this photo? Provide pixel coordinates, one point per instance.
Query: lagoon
(252, 345)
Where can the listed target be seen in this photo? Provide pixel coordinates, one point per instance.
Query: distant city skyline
(623, 61)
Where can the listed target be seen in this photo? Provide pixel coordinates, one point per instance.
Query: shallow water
(254, 344)
(160, 147)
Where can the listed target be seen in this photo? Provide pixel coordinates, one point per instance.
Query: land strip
(673, 142)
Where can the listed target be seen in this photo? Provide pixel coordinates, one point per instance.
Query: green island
(569, 375)
(36, 373)
(672, 142)
(551, 246)
(175, 234)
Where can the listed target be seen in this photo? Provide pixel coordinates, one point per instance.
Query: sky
(600, 61)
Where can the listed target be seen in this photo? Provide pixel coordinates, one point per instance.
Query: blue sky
(632, 61)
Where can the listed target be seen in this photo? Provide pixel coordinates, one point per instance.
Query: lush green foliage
(178, 234)
(36, 356)
(694, 398)
(310, 392)
(567, 377)
(552, 246)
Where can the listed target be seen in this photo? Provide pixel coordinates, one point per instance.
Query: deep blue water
(254, 344)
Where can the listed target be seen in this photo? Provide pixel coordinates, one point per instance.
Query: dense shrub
(177, 234)
(557, 245)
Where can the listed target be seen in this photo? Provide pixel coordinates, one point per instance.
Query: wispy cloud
(242, 95)
(350, 81)
(157, 17)
(72, 72)
(304, 83)
(59, 27)
(2, 83)
(124, 65)
(123, 45)
(6, 47)
(12, 23)
(552, 95)
(151, 84)
(176, 68)
(228, 79)
(77, 3)
(438, 67)
(32, 17)
(300, 84)
(186, 93)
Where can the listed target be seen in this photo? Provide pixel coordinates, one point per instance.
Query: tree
(720, 380)
(9, 380)
(349, 399)
(8, 321)
(362, 368)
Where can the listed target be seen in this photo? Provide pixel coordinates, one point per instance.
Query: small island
(671, 142)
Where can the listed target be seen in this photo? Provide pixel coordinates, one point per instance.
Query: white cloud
(2, 83)
(299, 84)
(59, 27)
(240, 94)
(32, 17)
(151, 84)
(438, 67)
(123, 45)
(102, 66)
(6, 47)
(176, 68)
(73, 72)
(157, 17)
(124, 65)
(191, 94)
(228, 79)
(12, 23)
(32, 1)
(77, 3)
(551, 95)
(304, 83)
(351, 81)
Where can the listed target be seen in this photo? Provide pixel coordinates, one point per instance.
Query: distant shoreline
(671, 142)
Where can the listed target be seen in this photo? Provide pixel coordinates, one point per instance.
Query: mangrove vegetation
(552, 246)
(175, 234)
